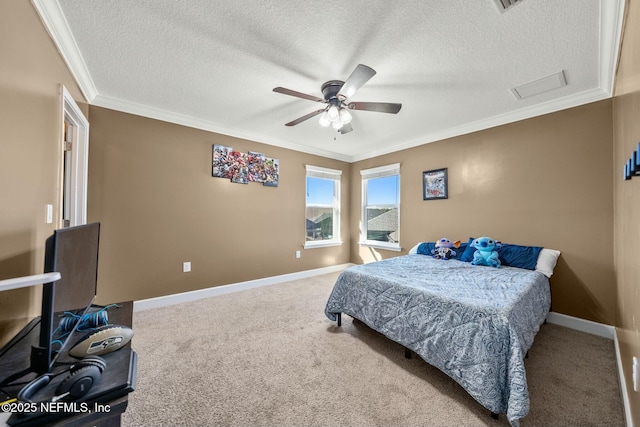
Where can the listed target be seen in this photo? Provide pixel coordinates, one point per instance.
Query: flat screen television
(73, 252)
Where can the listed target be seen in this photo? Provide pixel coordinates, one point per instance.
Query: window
(381, 207)
(322, 213)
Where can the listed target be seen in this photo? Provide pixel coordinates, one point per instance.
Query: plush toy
(444, 249)
(486, 253)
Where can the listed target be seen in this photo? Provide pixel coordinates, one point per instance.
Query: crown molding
(189, 121)
(490, 122)
(54, 21)
(611, 22)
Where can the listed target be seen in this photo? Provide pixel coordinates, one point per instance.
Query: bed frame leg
(339, 319)
(407, 353)
(495, 416)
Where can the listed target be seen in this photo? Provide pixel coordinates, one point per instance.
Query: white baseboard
(163, 301)
(582, 325)
(623, 385)
(604, 331)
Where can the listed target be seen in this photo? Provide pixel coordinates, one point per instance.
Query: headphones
(81, 377)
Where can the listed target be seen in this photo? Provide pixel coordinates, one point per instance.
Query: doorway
(75, 162)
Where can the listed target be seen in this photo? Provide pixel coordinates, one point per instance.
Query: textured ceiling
(451, 64)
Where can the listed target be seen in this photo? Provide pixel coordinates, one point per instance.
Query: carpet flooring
(269, 357)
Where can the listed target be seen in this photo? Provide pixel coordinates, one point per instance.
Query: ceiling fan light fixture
(333, 113)
(324, 120)
(345, 116)
(335, 94)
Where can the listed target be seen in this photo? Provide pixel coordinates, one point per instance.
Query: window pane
(319, 223)
(382, 224)
(319, 191)
(383, 191)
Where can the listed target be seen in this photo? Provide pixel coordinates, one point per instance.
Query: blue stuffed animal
(486, 253)
(444, 248)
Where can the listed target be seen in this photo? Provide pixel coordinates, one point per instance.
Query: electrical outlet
(186, 267)
(297, 254)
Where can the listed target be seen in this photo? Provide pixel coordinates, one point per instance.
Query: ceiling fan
(336, 94)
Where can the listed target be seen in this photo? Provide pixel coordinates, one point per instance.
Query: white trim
(320, 172)
(163, 301)
(56, 24)
(381, 171)
(611, 18)
(605, 331)
(611, 21)
(571, 101)
(79, 157)
(594, 328)
(207, 125)
(365, 176)
(623, 383)
(312, 244)
(576, 100)
(378, 245)
(334, 175)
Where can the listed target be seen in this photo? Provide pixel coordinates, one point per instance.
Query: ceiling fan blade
(356, 80)
(380, 107)
(305, 117)
(346, 129)
(286, 91)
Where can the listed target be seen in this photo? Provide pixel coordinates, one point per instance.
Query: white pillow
(414, 250)
(547, 261)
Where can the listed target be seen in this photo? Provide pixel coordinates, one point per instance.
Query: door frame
(72, 114)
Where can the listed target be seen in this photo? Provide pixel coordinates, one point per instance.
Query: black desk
(106, 400)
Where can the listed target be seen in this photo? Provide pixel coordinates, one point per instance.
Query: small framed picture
(434, 184)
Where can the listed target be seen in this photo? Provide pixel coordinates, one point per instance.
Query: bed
(474, 323)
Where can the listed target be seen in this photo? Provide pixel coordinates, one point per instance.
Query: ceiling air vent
(545, 84)
(503, 5)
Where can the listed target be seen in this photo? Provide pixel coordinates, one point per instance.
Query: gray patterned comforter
(474, 323)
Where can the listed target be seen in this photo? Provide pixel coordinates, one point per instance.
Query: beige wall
(626, 129)
(150, 186)
(31, 72)
(552, 181)
(522, 183)
(545, 181)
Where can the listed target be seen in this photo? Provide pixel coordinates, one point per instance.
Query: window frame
(366, 175)
(329, 174)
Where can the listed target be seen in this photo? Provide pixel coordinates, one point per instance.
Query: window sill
(321, 244)
(381, 246)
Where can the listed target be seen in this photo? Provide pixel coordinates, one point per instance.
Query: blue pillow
(460, 251)
(510, 255)
(467, 255)
(519, 256)
(425, 248)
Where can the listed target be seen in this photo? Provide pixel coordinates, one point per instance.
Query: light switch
(49, 214)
